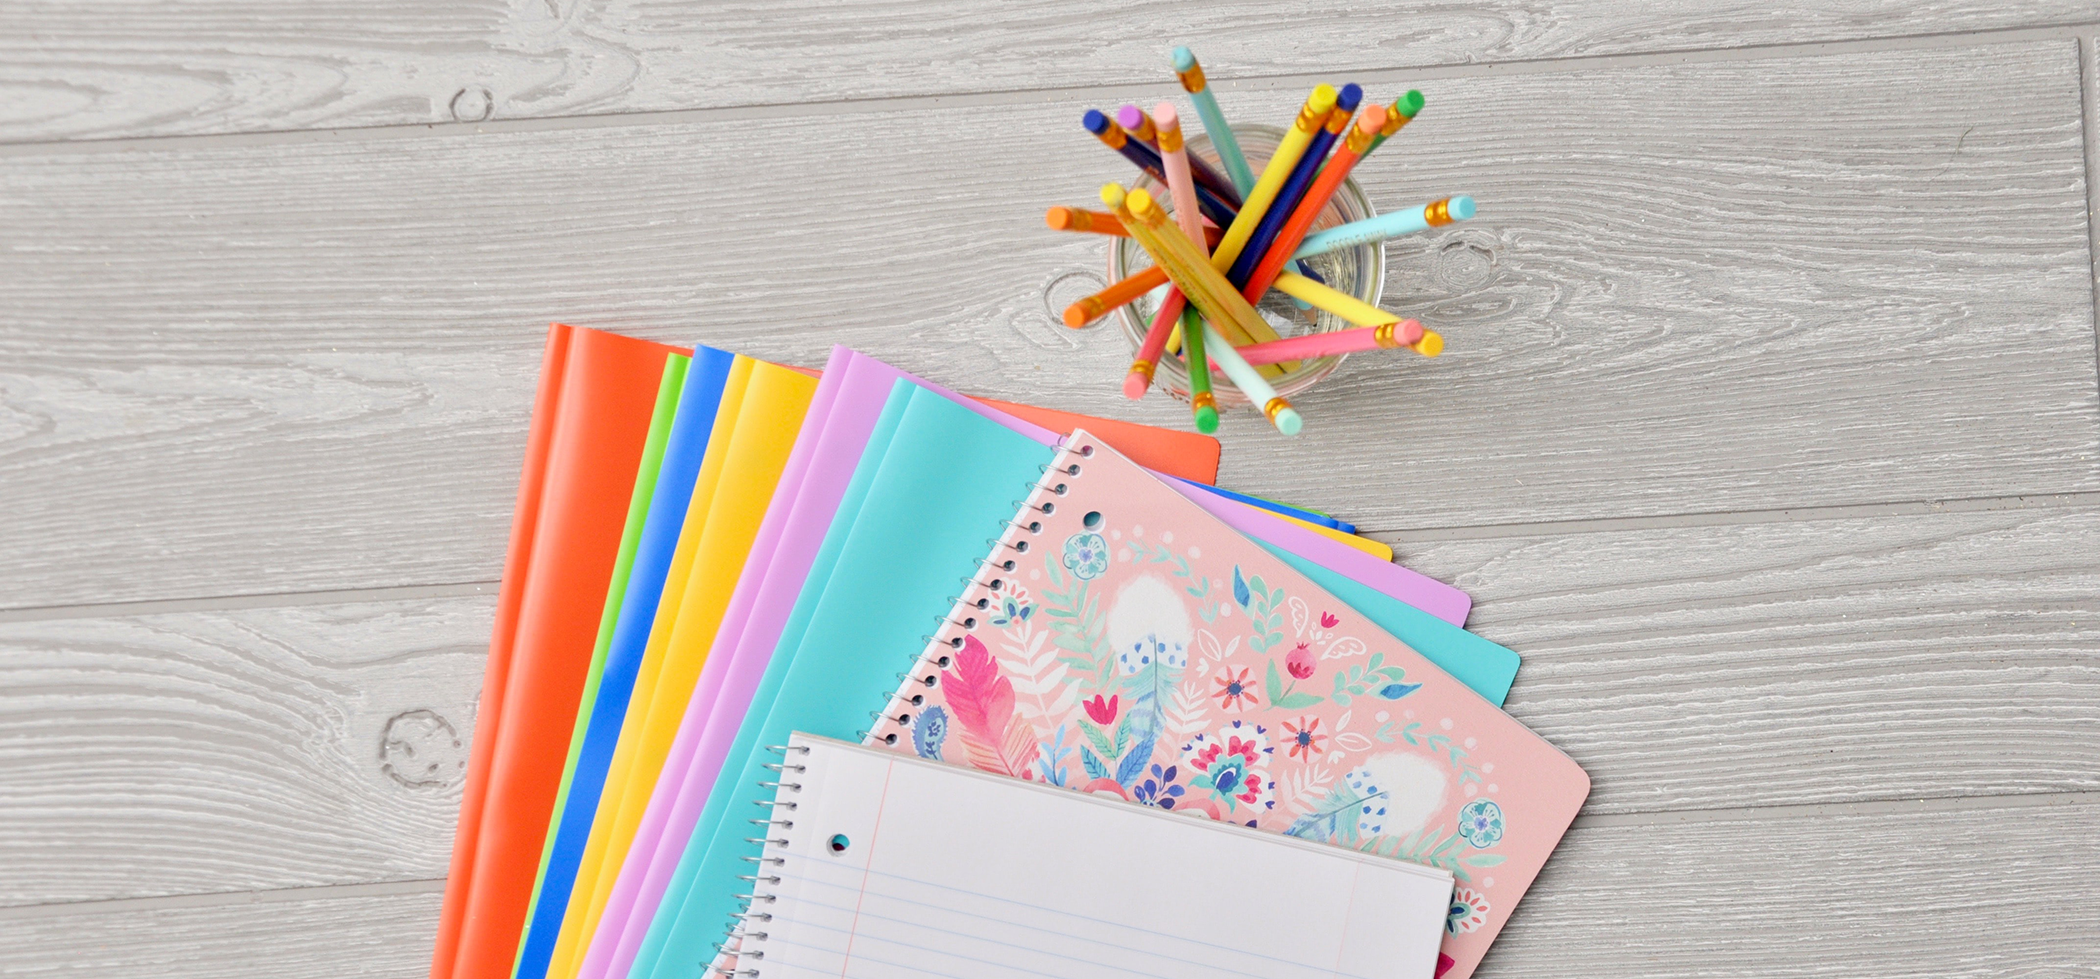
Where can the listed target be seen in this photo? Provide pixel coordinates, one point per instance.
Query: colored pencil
(1099, 304)
(1403, 333)
(1250, 382)
(1221, 136)
(1312, 203)
(1403, 111)
(1147, 159)
(1165, 323)
(1104, 223)
(1202, 401)
(1142, 128)
(1302, 175)
(1311, 117)
(1351, 309)
(1434, 214)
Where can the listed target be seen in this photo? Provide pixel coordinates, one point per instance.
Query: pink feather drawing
(983, 703)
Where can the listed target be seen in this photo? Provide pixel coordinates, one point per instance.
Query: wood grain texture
(1833, 662)
(1804, 281)
(1972, 893)
(133, 68)
(211, 752)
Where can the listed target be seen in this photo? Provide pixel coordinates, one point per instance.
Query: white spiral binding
(901, 703)
(744, 946)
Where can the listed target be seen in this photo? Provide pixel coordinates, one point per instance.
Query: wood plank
(1831, 662)
(134, 68)
(1973, 893)
(205, 752)
(1806, 281)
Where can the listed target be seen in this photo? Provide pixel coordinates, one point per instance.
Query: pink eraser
(1372, 119)
(1135, 384)
(1130, 117)
(1409, 331)
(1164, 117)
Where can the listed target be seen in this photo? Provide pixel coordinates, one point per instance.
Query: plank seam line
(1582, 823)
(1723, 518)
(2071, 31)
(233, 603)
(2087, 97)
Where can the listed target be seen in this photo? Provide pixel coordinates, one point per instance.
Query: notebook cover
(665, 496)
(870, 875)
(855, 632)
(1150, 652)
(591, 418)
(774, 404)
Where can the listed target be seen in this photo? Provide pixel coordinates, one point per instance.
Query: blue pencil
(1147, 159)
(1302, 176)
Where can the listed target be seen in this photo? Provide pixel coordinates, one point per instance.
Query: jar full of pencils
(1358, 271)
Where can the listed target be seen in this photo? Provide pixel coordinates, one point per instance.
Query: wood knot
(421, 750)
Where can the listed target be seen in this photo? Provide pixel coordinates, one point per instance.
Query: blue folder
(683, 449)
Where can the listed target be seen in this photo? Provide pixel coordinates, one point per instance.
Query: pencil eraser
(1130, 117)
(1076, 316)
(1431, 344)
(1095, 121)
(1164, 116)
(1058, 218)
(1322, 99)
(1140, 200)
(1461, 207)
(1347, 99)
(1207, 419)
(1112, 195)
(1409, 331)
(1184, 59)
(1410, 105)
(1371, 120)
(1288, 422)
(1135, 384)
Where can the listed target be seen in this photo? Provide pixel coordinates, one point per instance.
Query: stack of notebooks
(838, 672)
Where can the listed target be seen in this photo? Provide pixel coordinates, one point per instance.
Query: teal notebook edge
(894, 576)
(768, 689)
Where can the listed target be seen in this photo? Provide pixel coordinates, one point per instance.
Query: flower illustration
(1232, 765)
(1158, 789)
(1102, 711)
(1328, 621)
(1469, 910)
(1303, 737)
(1013, 611)
(1236, 693)
(1480, 822)
(1086, 554)
(1301, 662)
(928, 730)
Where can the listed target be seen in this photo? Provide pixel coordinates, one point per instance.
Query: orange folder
(589, 421)
(1185, 454)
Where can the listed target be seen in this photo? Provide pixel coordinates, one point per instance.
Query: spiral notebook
(1120, 641)
(878, 865)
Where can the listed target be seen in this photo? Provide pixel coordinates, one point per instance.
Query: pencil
(1351, 309)
(1202, 402)
(1221, 135)
(1204, 286)
(1099, 304)
(1402, 333)
(1315, 200)
(1302, 175)
(1403, 111)
(1104, 223)
(1147, 159)
(1310, 119)
(1181, 182)
(1250, 382)
(1165, 322)
(1434, 214)
(1141, 127)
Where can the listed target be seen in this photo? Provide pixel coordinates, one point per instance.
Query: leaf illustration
(1092, 763)
(1239, 588)
(983, 702)
(1100, 740)
(1296, 700)
(1273, 689)
(1134, 763)
(1187, 715)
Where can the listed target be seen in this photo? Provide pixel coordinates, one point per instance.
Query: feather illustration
(983, 702)
(1239, 588)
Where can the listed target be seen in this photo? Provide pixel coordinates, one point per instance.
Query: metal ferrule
(1144, 367)
(1309, 119)
(1274, 407)
(1170, 140)
(1437, 213)
(1386, 335)
(1204, 399)
(1192, 80)
(1114, 136)
(1359, 141)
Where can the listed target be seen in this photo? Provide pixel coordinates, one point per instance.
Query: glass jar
(1359, 271)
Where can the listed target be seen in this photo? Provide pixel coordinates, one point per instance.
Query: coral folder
(589, 424)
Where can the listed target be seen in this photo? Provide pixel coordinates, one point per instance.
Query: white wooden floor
(1769, 431)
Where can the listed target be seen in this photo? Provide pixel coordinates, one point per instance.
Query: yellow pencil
(1310, 118)
(1354, 310)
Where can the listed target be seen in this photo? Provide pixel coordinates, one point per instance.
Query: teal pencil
(1221, 137)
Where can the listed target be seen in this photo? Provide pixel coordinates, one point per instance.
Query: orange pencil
(1314, 201)
(1104, 223)
(1098, 305)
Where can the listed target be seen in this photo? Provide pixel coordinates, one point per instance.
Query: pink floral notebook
(1121, 641)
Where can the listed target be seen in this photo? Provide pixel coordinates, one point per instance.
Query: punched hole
(1061, 488)
(997, 584)
(1087, 451)
(969, 622)
(943, 661)
(917, 699)
(839, 843)
(1048, 509)
(1021, 546)
(889, 738)
(1035, 526)
(1092, 519)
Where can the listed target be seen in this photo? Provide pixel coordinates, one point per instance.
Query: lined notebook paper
(889, 867)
